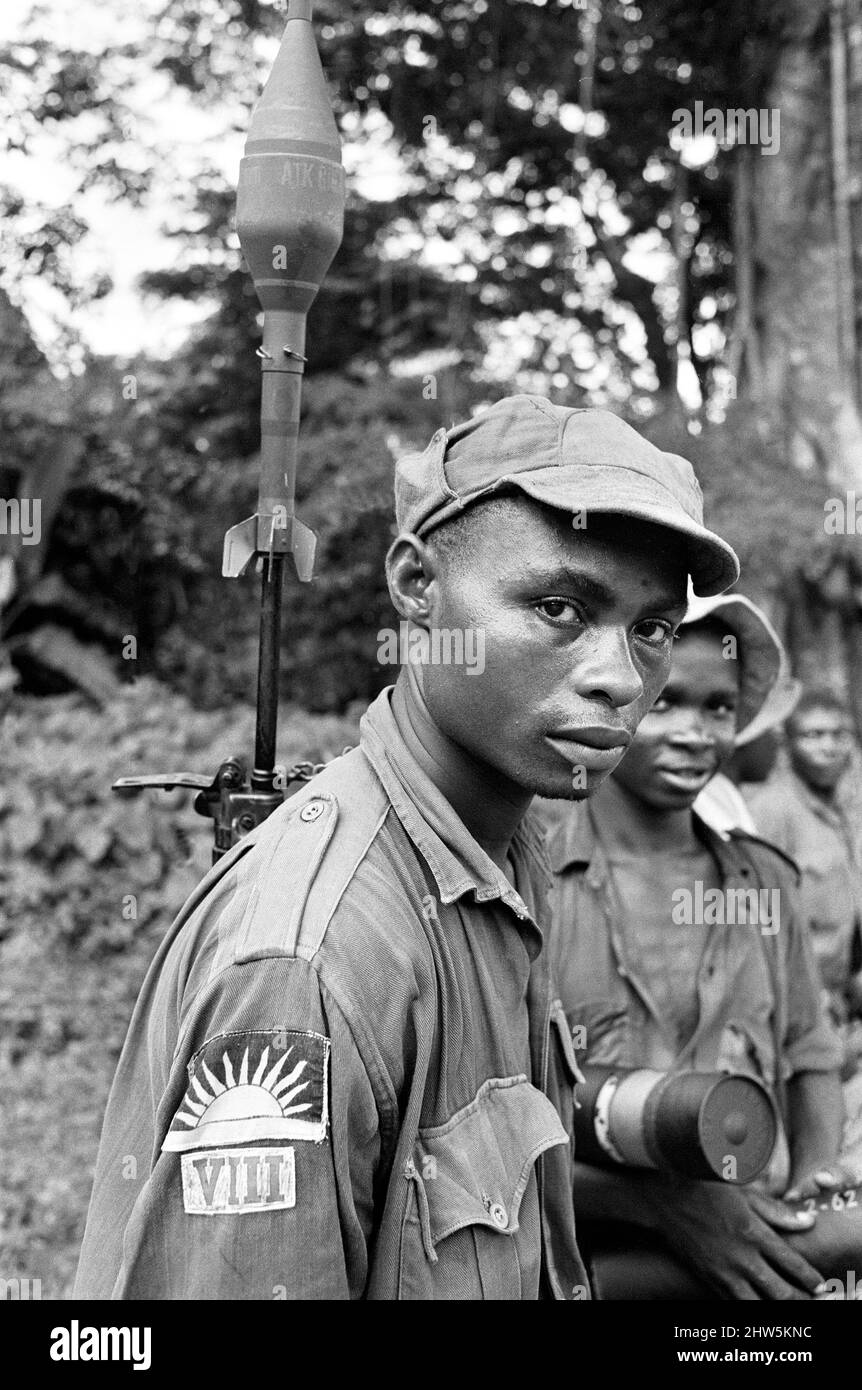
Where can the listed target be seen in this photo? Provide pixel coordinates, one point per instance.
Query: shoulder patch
(268, 1084)
(232, 1182)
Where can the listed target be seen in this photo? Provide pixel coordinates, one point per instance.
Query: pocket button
(499, 1215)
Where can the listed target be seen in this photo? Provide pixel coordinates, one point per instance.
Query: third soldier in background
(806, 809)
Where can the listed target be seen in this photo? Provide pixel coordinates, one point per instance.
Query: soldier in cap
(808, 809)
(721, 803)
(665, 958)
(348, 1074)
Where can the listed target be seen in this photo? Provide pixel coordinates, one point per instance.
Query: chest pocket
(471, 1227)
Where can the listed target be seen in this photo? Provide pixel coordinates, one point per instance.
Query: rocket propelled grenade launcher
(290, 218)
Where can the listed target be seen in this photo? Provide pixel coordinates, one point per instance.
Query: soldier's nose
(606, 672)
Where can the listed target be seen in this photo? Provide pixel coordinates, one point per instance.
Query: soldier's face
(576, 635)
(820, 742)
(690, 730)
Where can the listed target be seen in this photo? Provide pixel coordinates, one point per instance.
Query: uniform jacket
(825, 843)
(759, 1000)
(346, 1075)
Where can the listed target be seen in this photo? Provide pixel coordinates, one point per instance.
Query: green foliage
(143, 524)
(481, 100)
(771, 514)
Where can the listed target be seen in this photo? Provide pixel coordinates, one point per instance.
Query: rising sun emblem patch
(246, 1087)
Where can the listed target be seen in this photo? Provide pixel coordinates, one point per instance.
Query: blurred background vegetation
(520, 217)
(539, 228)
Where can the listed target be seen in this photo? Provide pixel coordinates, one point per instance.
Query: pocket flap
(476, 1167)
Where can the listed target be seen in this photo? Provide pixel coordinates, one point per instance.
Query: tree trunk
(798, 302)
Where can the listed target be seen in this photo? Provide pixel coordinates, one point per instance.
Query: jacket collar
(455, 858)
(574, 843)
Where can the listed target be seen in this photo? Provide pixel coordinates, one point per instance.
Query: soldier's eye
(558, 610)
(654, 631)
(722, 708)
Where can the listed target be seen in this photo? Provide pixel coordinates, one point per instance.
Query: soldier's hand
(820, 1177)
(777, 1214)
(732, 1239)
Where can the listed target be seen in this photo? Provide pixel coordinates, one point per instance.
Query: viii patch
(221, 1182)
(250, 1087)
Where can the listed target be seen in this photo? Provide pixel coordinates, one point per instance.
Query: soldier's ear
(411, 571)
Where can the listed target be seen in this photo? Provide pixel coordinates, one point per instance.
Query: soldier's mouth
(686, 778)
(590, 756)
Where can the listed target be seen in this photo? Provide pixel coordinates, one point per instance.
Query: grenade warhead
(289, 219)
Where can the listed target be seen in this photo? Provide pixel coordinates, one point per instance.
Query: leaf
(133, 824)
(147, 870)
(24, 826)
(94, 841)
